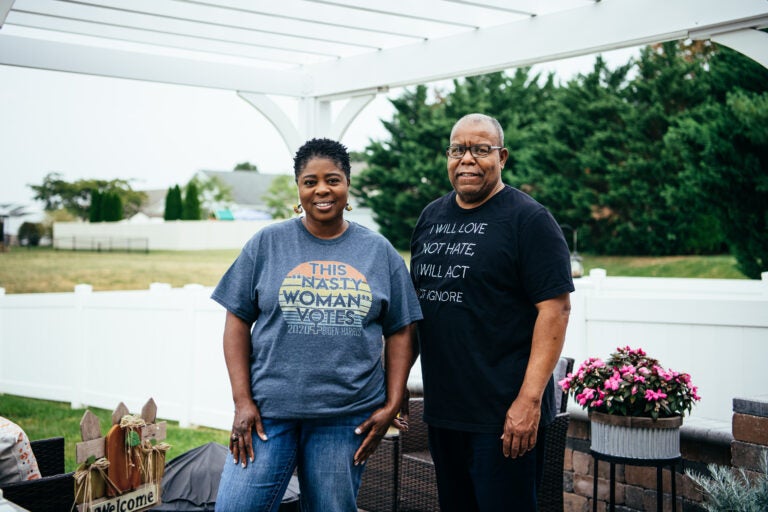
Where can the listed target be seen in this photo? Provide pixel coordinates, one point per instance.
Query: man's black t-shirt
(478, 274)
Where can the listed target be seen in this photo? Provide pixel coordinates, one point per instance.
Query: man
(492, 271)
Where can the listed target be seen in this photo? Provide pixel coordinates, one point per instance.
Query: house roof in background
(248, 187)
(154, 204)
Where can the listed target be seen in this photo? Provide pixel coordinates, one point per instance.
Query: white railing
(100, 348)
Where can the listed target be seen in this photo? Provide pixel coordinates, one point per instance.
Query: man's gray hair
(482, 118)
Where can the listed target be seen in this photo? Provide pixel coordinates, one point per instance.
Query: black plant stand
(659, 464)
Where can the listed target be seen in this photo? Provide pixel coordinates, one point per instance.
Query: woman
(308, 301)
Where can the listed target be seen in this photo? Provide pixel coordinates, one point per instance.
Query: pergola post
(752, 43)
(277, 116)
(315, 117)
(351, 110)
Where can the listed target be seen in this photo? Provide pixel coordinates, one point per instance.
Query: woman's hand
(247, 419)
(237, 346)
(374, 429)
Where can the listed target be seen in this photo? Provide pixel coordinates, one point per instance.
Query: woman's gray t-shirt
(318, 310)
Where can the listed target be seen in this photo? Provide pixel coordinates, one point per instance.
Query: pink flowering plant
(629, 383)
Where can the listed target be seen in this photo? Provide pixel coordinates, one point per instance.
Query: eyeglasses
(477, 150)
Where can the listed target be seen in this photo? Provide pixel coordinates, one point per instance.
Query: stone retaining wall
(742, 448)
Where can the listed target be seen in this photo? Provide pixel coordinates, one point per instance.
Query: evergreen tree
(94, 212)
(603, 152)
(111, 207)
(407, 172)
(191, 207)
(173, 204)
(562, 155)
(644, 219)
(725, 150)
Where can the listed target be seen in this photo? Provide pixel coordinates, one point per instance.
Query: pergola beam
(231, 44)
(152, 67)
(598, 27)
(5, 8)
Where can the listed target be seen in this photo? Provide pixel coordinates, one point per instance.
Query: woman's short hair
(321, 148)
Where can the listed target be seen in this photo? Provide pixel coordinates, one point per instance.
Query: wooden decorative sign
(122, 470)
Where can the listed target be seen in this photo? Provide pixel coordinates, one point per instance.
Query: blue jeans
(473, 474)
(321, 449)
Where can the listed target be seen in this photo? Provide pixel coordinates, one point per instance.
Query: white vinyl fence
(176, 235)
(100, 348)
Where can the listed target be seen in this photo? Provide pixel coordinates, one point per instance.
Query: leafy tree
(76, 196)
(191, 206)
(281, 196)
(212, 193)
(246, 166)
(173, 204)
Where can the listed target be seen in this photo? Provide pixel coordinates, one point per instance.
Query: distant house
(248, 189)
(154, 204)
(12, 216)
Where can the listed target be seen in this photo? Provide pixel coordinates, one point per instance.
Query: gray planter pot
(635, 438)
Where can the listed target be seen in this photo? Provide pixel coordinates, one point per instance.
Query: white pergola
(323, 51)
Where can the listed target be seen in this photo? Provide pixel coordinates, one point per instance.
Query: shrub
(30, 233)
(729, 489)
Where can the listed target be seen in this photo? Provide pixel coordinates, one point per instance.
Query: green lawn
(712, 267)
(40, 270)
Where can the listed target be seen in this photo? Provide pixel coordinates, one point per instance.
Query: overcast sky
(155, 134)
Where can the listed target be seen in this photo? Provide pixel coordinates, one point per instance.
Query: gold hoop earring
(348, 207)
(298, 209)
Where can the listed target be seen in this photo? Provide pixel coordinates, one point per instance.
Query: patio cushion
(17, 462)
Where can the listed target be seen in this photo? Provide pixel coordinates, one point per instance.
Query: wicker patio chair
(380, 486)
(563, 368)
(55, 491)
(418, 486)
(550, 493)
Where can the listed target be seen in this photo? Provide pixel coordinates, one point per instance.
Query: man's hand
(520, 427)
